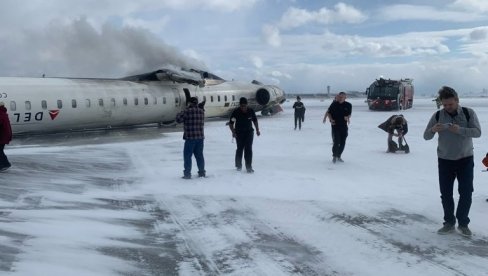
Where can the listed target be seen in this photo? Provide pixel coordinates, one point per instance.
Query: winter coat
(390, 125)
(299, 109)
(5, 128)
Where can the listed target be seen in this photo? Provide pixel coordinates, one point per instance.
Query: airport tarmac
(114, 203)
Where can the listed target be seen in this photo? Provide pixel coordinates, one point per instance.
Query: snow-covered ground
(116, 205)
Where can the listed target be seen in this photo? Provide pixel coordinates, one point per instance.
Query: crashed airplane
(50, 105)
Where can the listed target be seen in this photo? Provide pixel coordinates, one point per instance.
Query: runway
(114, 204)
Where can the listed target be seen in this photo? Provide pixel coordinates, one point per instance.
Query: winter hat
(298, 98)
(243, 100)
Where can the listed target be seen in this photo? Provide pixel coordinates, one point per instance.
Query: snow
(114, 205)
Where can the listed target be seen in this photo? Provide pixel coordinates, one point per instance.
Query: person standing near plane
(240, 125)
(456, 127)
(193, 120)
(5, 136)
(299, 113)
(339, 114)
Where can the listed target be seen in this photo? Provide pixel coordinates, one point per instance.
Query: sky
(304, 46)
(115, 204)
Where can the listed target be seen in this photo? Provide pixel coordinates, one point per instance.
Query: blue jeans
(449, 170)
(193, 147)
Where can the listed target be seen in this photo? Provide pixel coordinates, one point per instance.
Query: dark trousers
(339, 135)
(3, 158)
(244, 143)
(193, 147)
(449, 170)
(390, 138)
(299, 118)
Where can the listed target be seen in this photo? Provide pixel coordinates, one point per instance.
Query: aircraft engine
(263, 96)
(270, 97)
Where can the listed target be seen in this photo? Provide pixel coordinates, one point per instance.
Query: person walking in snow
(240, 124)
(5, 136)
(339, 113)
(456, 127)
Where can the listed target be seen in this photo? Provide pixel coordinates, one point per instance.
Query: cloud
(408, 44)
(215, 5)
(428, 13)
(271, 35)
(479, 34)
(257, 61)
(342, 13)
(478, 6)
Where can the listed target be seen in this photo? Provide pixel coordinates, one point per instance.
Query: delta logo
(53, 114)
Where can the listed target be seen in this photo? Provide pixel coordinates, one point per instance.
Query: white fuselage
(62, 104)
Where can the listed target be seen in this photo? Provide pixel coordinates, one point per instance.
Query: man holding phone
(456, 127)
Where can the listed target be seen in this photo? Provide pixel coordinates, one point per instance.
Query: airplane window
(60, 104)
(100, 102)
(211, 98)
(73, 103)
(218, 98)
(13, 106)
(27, 105)
(233, 98)
(87, 102)
(112, 101)
(136, 101)
(146, 101)
(155, 100)
(124, 101)
(164, 100)
(204, 98)
(44, 104)
(225, 98)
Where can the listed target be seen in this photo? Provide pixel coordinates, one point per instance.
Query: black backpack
(465, 111)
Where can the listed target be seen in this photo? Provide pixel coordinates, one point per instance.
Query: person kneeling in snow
(398, 124)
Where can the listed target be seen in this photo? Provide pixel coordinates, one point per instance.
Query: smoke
(78, 49)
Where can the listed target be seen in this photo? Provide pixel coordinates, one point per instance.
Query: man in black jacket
(240, 124)
(299, 113)
(339, 114)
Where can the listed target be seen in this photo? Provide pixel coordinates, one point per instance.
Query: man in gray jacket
(455, 126)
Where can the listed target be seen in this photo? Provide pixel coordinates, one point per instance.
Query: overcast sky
(301, 45)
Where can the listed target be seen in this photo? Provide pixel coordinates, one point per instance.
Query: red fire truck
(387, 94)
